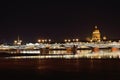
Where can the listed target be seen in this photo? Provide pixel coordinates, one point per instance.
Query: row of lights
(44, 40)
(18, 42)
(69, 40)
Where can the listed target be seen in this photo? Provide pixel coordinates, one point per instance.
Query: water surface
(59, 69)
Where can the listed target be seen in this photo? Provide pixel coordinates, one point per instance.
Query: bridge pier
(18, 51)
(44, 50)
(114, 49)
(68, 50)
(72, 50)
(95, 49)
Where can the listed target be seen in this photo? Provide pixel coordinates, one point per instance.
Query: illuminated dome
(96, 30)
(96, 34)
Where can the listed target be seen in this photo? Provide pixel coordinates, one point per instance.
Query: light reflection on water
(78, 51)
(68, 52)
(64, 65)
(57, 52)
(72, 68)
(69, 55)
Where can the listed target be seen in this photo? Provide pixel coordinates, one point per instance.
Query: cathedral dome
(96, 34)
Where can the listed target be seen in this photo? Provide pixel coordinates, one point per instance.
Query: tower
(18, 41)
(96, 36)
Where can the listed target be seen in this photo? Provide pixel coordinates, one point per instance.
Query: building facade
(96, 35)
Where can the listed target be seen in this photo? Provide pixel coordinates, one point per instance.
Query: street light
(69, 40)
(44, 40)
(49, 40)
(104, 38)
(73, 40)
(65, 40)
(15, 42)
(39, 41)
(77, 40)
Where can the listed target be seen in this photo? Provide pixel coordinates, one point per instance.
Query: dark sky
(58, 20)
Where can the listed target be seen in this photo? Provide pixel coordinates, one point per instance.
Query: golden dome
(96, 30)
(96, 34)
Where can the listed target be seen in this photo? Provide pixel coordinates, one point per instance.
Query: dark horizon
(58, 20)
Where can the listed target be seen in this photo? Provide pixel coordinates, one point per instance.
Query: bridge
(35, 47)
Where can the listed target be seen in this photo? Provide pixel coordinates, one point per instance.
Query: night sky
(58, 20)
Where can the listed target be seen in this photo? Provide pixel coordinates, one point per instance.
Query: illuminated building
(96, 36)
(18, 41)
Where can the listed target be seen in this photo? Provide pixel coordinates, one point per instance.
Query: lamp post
(39, 40)
(76, 40)
(15, 42)
(104, 38)
(67, 40)
(44, 40)
(49, 40)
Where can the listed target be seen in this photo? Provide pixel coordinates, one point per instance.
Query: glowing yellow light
(49, 40)
(20, 41)
(77, 40)
(104, 38)
(39, 40)
(15, 41)
(65, 40)
(43, 40)
(73, 40)
(69, 40)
